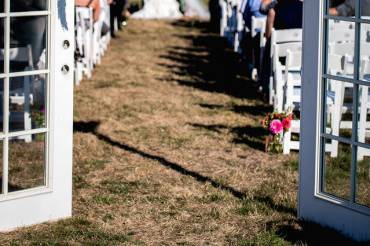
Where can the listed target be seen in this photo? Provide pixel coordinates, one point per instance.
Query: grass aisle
(168, 149)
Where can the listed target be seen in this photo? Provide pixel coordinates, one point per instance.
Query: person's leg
(215, 11)
(248, 53)
(266, 68)
(119, 9)
(112, 17)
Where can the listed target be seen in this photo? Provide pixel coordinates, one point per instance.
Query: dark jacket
(348, 8)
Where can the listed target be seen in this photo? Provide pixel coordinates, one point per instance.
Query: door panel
(334, 188)
(36, 112)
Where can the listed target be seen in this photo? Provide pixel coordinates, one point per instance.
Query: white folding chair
(22, 96)
(278, 70)
(364, 106)
(105, 19)
(223, 22)
(85, 27)
(97, 42)
(240, 28)
(292, 100)
(335, 25)
(278, 37)
(258, 27)
(292, 96)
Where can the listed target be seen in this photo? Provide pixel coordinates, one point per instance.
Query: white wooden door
(36, 91)
(334, 158)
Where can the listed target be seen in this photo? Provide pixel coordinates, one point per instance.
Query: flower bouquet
(277, 124)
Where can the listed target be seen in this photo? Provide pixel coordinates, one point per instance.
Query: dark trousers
(266, 67)
(251, 51)
(116, 10)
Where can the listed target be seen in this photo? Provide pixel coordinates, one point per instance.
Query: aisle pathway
(168, 148)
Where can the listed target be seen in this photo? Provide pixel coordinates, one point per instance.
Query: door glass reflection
(337, 170)
(363, 126)
(2, 42)
(27, 5)
(28, 43)
(1, 167)
(341, 48)
(339, 108)
(26, 162)
(342, 8)
(363, 177)
(365, 52)
(27, 103)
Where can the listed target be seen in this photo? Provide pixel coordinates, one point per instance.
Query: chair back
(258, 25)
(20, 54)
(340, 25)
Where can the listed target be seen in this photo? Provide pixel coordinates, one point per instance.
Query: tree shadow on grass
(208, 65)
(252, 136)
(311, 233)
(91, 127)
(255, 110)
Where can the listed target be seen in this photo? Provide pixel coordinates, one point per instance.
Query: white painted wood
(54, 201)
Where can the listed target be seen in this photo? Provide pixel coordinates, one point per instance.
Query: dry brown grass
(167, 150)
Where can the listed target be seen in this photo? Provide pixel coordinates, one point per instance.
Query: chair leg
(336, 116)
(287, 142)
(27, 108)
(363, 116)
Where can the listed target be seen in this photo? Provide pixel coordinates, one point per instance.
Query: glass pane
(341, 50)
(1, 104)
(337, 170)
(339, 108)
(27, 104)
(363, 177)
(26, 162)
(28, 43)
(363, 114)
(1, 167)
(2, 41)
(2, 6)
(365, 9)
(22, 5)
(342, 8)
(365, 52)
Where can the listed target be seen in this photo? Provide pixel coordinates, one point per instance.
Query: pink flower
(276, 127)
(287, 123)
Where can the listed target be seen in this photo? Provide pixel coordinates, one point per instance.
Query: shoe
(254, 75)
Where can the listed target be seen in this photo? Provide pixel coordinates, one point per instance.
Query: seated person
(28, 5)
(251, 8)
(250, 45)
(94, 4)
(281, 14)
(347, 8)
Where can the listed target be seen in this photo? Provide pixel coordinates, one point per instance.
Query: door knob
(66, 44)
(65, 69)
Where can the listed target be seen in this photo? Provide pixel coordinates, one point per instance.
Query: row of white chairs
(285, 79)
(90, 43)
(339, 95)
(231, 24)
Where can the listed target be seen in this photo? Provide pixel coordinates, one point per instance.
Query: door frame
(312, 204)
(54, 201)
